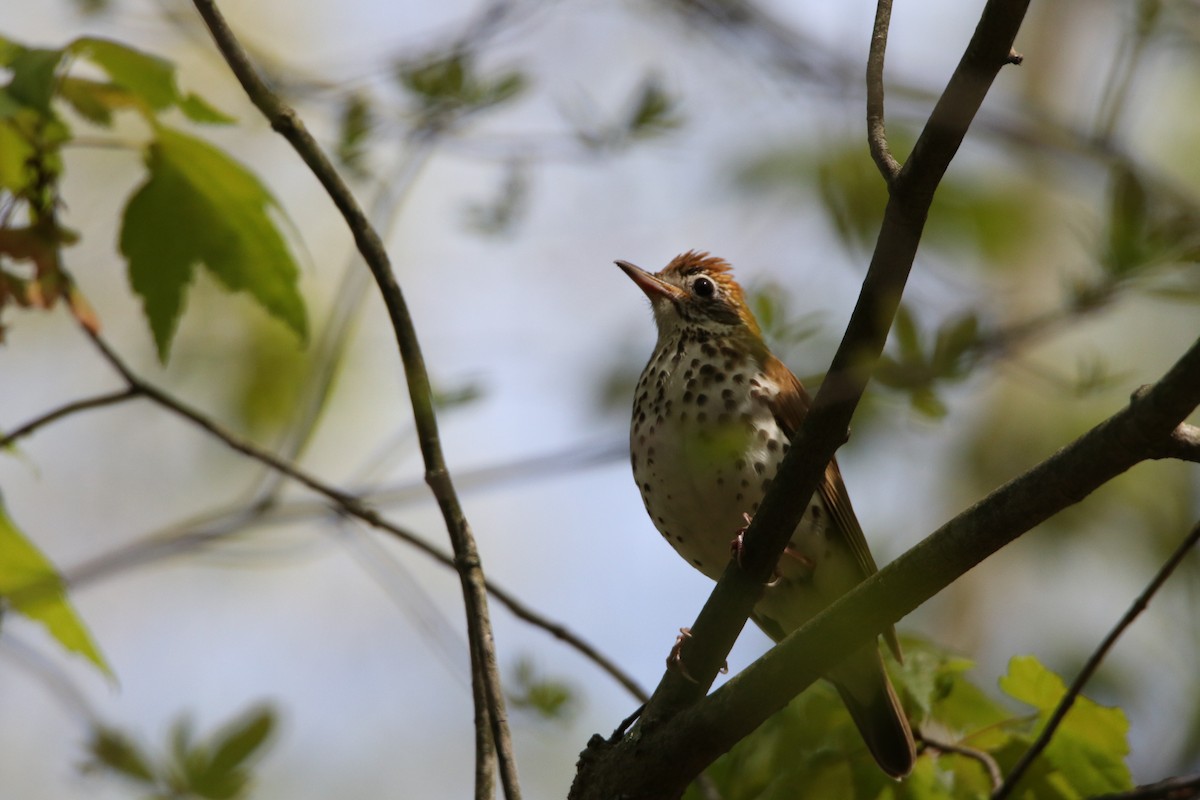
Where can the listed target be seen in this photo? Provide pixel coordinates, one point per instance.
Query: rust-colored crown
(695, 261)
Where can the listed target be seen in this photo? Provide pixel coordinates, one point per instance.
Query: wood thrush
(713, 415)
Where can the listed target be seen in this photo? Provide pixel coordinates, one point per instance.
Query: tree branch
(1183, 444)
(982, 756)
(1093, 663)
(824, 430)
(343, 502)
(1184, 788)
(285, 121)
(608, 770)
(695, 736)
(96, 401)
(889, 167)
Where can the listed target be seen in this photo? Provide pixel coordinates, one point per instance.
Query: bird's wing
(790, 406)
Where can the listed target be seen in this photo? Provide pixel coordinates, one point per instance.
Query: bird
(713, 415)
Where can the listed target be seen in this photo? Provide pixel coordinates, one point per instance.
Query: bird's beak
(652, 285)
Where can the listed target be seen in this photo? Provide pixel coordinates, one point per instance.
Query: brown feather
(791, 406)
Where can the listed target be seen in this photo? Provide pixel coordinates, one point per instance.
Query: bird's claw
(736, 546)
(675, 658)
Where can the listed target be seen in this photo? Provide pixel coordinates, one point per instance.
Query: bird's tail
(868, 694)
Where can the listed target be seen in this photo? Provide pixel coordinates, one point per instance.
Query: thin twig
(330, 345)
(467, 560)
(1184, 444)
(983, 757)
(97, 401)
(1093, 663)
(889, 167)
(344, 502)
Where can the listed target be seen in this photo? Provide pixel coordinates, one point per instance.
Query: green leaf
(198, 206)
(16, 151)
(547, 697)
(654, 111)
(908, 339)
(954, 339)
(197, 109)
(114, 750)
(95, 101)
(34, 75)
(1127, 222)
(1090, 746)
(450, 82)
(353, 126)
(34, 588)
(240, 739)
(149, 77)
(9, 50)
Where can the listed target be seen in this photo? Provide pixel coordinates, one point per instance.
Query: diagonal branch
(66, 410)
(616, 768)
(889, 167)
(217, 526)
(698, 734)
(488, 694)
(1093, 663)
(825, 429)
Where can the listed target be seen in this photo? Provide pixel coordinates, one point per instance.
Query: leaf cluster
(197, 206)
(917, 364)
(813, 743)
(449, 84)
(216, 768)
(32, 587)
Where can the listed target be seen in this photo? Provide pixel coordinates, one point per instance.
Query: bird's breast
(704, 445)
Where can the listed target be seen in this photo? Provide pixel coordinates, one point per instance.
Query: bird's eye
(703, 287)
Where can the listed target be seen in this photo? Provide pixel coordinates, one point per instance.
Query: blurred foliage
(548, 698)
(916, 366)
(267, 377)
(650, 112)
(196, 206)
(449, 84)
(501, 214)
(993, 215)
(1152, 231)
(32, 587)
(354, 128)
(92, 6)
(1021, 426)
(781, 325)
(218, 768)
(654, 111)
(813, 742)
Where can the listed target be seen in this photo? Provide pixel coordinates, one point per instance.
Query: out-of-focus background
(640, 130)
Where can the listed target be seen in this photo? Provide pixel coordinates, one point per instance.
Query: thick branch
(824, 430)
(1093, 663)
(694, 737)
(479, 631)
(889, 167)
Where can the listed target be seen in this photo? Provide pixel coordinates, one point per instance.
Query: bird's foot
(736, 546)
(675, 659)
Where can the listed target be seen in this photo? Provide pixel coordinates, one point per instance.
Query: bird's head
(696, 291)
